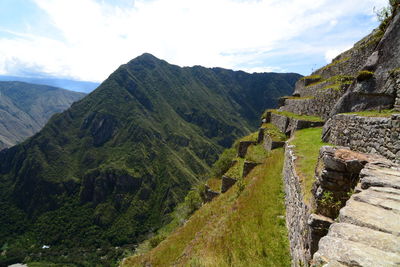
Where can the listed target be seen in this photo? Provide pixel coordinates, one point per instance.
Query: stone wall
(397, 99)
(297, 212)
(365, 134)
(319, 104)
(288, 125)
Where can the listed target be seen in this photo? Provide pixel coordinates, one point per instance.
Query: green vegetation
(244, 230)
(374, 113)
(274, 132)
(250, 137)
(311, 77)
(386, 14)
(111, 169)
(338, 82)
(307, 145)
(364, 75)
(236, 170)
(256, 153)
(296, 116)
(336, 62)
(394, 72)
(329, 202)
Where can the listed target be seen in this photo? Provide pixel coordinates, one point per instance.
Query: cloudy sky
(89, 39)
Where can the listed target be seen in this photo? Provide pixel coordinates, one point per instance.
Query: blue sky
(89, 39)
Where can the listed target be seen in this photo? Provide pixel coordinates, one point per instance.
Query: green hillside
(109, 170)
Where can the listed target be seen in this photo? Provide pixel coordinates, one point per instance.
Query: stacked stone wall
(297, 212)
(366, 134)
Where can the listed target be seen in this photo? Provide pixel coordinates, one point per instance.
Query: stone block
(227, 182)
(248, 166)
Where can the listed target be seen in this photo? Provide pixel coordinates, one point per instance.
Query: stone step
(373, 175)
(352, 253)
(370, 216)
(380, 199)
(366, 236)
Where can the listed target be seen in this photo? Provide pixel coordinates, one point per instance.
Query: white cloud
(332, 53)
(98, 36)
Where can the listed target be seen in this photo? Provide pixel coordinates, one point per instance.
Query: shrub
(364, 75)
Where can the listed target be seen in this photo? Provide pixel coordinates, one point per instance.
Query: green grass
(274, 132)
(244, 230)
(214, 184)
(374, 113)
(256, 153)
(364, 75)
(236, 170)
(311, 77)
(250, 137)
(335, 63)
(394, 72)
(307, 145)
(297, 116)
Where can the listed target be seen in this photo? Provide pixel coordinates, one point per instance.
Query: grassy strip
(232, 230)
(307, 145)
(250, 137)
(236, 170)
(335, 63)
(274, 132)
(256, 153)
(374, 113)
(214, 184)
(297, 116)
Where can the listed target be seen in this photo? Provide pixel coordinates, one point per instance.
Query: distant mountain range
(25, 108)
(73, 85)
(111, 168)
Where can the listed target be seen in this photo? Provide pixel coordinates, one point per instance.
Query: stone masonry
(365, 134)
(368, 230)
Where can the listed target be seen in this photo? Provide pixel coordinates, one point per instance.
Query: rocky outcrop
(98, 185)
(377, 92)
(368, 230)
(365, 134)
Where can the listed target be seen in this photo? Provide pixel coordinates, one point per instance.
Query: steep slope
(112, 167)
(25, 108)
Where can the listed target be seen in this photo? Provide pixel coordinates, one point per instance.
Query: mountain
(111, 168)
(73, 85)
(25, 108)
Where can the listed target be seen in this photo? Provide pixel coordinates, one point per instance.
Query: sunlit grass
(297, 116)
(375, 113)
(232, 230)
(307, 145)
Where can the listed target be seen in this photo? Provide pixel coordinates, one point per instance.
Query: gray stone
(248, 166)
(243, 146)
(209, 194)
(352, 253)
(371, 216)
(366, 236)
(227, 182)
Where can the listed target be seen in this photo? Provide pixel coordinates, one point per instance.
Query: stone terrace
(368, 229)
